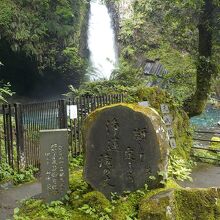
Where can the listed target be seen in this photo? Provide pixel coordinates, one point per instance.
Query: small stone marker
(168, 119)
(170, 132)
(164, 108)
(126, 146)
(54, 163)
(144, 104)
(172, 142)
(168, 122)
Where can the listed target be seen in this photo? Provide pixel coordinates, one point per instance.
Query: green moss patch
(170, 202)
(181, 124)
(182, 204)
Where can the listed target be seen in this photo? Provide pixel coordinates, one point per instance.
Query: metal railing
(21, 123)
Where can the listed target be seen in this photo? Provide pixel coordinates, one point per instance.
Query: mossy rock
(97, 200)
(141, 135)
(155, 96)
(126, 207)
(197, 204)
(182, 204)
(181, 124)
(77, 183)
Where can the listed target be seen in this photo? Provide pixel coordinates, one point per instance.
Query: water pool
(207, 120)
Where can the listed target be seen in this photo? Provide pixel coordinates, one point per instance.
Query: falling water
(101, 42)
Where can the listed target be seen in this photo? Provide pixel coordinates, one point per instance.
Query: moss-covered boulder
(155, 96)
(126, 147)
(181, 124)
(182, 204)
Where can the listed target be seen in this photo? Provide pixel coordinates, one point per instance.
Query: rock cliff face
(120, 11)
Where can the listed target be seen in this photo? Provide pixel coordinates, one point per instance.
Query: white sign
(164, 109)
(168, 119)
(72, 111)
(144, 104)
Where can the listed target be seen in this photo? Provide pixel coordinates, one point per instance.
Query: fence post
(8, 134)
(62, 114)
(122, 98)
(19, 133)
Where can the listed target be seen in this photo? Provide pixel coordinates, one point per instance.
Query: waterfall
(101, 42)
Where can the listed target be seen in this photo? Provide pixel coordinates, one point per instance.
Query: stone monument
(54, 164)
(126, 147)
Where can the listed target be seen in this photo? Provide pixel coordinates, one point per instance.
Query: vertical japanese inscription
(105, 160)
(140, 135)
(130, 158)
(54, 151)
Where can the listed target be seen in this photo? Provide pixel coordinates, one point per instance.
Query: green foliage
(46, 33)
(36, 209)
(206, 156)
(5, 92)
(91, 204)
(181, 78)
(167, 30)
(216, 143)
(179, 168)
(96, 206)
(6, 13)
(75, 162)
(212, 156)
(26, 175)
(9, 174)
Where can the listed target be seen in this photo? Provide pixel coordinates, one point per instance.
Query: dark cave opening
(21, 71)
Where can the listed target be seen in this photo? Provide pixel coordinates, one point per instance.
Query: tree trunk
(205, 67)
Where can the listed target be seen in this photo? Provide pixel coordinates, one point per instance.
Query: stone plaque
(168, 119)
(54, 164)
(170, 132)
(173, 143)
(144, 104)
(126, 146)
(164, 108)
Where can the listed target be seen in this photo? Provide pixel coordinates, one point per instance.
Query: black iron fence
(21, 123)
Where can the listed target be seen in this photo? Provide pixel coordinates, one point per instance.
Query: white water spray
(101, 42)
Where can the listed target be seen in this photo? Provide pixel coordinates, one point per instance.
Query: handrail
(197, 139)
(208, 132)
(208, 149)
